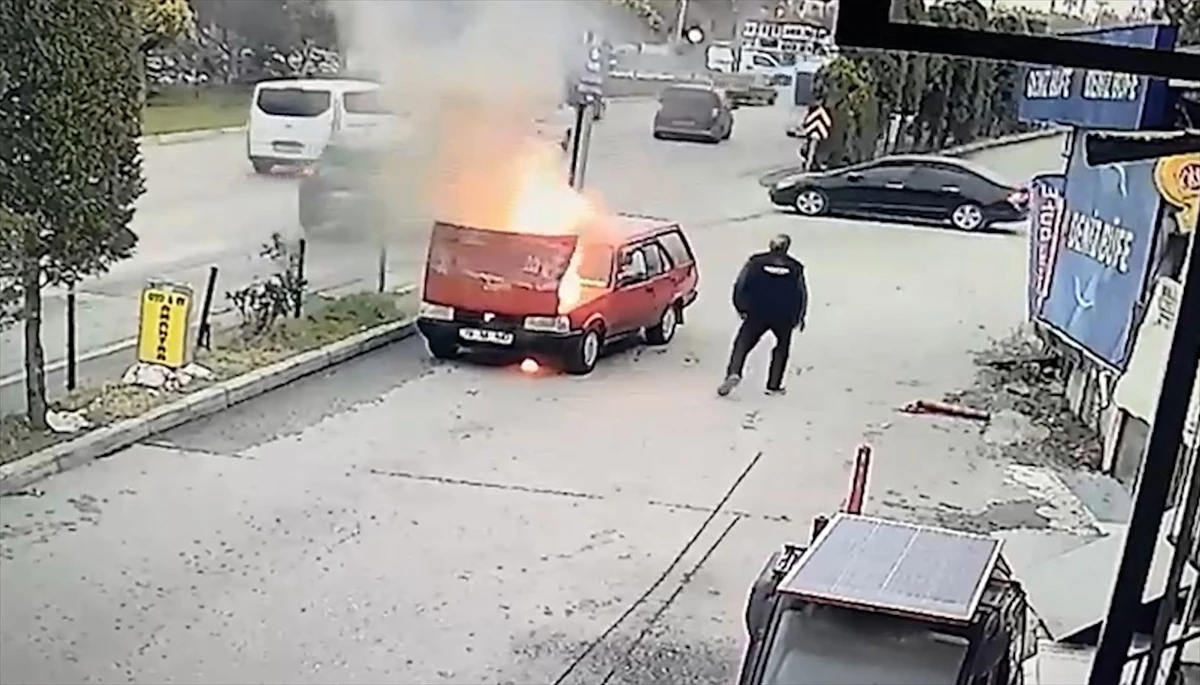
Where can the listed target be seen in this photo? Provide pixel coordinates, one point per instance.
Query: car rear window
(688, 98)
(677, 248)
(293, 102)
(365, 102)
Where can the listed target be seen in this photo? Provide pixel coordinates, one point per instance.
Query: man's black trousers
(748, 335)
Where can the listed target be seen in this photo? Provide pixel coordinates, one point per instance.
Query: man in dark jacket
(770, 295)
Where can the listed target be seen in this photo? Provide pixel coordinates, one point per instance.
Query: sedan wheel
(662, 332)
(811, 202)
(582, 358)
(967, 217)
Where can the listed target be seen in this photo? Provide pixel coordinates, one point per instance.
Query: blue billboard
(1107, 234)
(1101, 99)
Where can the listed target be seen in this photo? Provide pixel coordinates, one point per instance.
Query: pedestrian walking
(770, 295)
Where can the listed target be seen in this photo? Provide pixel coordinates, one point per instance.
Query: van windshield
(293, 102)
(533, 262)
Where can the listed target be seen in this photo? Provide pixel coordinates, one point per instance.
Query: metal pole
(810, 154)
(300, 257)
(1183, 552)
(1154, 485)
(204, 336)
(682, 17)
(383, 255)
(581, 113)
(1183, 545)
(72, 369)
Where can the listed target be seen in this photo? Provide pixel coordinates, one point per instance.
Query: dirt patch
(1020, 381)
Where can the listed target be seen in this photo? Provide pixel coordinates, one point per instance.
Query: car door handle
(951, 189)
(894, 185)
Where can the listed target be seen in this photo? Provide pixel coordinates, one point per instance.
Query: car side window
(886, 172)
(677, 248)
(656, 262)
(633, 266)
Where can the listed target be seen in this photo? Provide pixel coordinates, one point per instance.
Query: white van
(291, 120)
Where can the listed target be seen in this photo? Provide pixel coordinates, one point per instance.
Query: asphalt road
(398, 520)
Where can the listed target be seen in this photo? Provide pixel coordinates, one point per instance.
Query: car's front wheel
(581, 357)
(811, 202)
(662, 332)
(967, 216)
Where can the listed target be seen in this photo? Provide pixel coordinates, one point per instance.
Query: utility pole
(680, 20)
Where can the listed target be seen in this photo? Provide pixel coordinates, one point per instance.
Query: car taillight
(1019, 198)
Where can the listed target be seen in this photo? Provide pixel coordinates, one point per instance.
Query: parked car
(694, 111)
(531, 293)
(968, 196)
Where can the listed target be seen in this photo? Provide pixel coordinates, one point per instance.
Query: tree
(1186, 15)
(846, 87)
(162, 21)
(70, 169)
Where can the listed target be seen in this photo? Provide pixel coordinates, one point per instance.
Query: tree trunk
(35, 356)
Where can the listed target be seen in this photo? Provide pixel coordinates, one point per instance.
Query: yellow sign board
(1178, 181)
(163, 327)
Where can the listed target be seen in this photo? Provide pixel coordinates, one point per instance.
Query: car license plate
(485, 336)
(288, 147)
(683, 122)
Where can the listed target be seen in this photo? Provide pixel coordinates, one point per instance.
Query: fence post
(72, 361)
(300, 258)
(204, 335)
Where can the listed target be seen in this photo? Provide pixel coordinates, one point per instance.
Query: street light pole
(679, 21)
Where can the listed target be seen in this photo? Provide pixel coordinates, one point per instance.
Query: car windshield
(595, 263)
(836, 646)
(293, 102)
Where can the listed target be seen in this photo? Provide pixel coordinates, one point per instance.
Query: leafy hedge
(950, 100)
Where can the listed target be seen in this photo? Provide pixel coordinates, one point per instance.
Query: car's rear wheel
(662, 332)
(445, 349)
(582, 356)
(262, 166)
(967, 217)
(811, 202)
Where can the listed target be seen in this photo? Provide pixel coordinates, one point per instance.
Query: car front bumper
(534, 343)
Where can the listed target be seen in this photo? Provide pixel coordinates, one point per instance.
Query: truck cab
(890, 603)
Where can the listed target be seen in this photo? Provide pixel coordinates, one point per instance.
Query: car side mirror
(853, 176)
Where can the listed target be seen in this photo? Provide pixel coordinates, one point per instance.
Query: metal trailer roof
(896, 567)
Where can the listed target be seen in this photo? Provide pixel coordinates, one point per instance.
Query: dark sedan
(945, 189)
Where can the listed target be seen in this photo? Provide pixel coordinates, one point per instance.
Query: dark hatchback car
(693, 112)
(944, 189)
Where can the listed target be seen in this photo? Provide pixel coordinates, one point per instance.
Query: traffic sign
(817, 123)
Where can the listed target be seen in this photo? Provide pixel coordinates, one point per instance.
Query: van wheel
(662, 332)
(262, 166)
(581, 358)
(441, 348)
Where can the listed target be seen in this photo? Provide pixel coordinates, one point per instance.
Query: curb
(189, 136)
(768, 176)
(103, 441)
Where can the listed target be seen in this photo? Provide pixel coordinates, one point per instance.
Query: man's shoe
(776, 391)
(728, 385)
